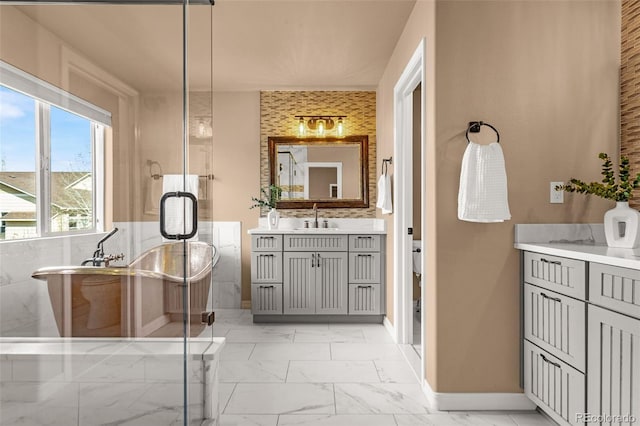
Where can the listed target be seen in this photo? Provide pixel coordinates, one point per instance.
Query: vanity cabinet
(571, 308)
(306, 276)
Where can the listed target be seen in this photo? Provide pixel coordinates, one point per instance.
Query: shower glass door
(105, 172)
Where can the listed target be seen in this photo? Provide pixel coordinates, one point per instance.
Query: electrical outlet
(555, 196)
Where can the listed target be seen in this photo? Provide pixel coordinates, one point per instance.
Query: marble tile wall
(25, 309)
(69, 383)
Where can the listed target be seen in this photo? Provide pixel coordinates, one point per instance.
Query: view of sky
(70, 136)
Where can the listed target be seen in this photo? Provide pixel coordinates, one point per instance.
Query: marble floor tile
(531, 419)
(380, 398)
(377, 335)
(285, 398)
(455, 419)
(242, 335)
(337, 420)
(248, 420)
(13, 413)
(345, 335)
(291, 351)
(237, 351)
(365, 352)
(332, 372)
(395, 372)
(254, 371)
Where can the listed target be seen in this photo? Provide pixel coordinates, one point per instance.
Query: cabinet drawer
(562, 275)
(364, 268)
(266, 299)
(266, 267)
(556, 323)
(266, 243)
(364, 243)
(613, 381)
(615, 288)
(364, 299)
(300, 242)
(555, 387)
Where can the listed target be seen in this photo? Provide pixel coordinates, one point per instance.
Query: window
(51, 159)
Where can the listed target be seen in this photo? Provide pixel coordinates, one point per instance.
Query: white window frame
(45, 96)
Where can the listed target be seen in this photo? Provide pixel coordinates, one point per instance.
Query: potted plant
(621, 224)
(269, 198)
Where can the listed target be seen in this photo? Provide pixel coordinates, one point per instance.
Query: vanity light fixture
(320, 124)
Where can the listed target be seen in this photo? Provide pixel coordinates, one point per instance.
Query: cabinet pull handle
(267, 255)
(318, 257)
(365, 255)
(266, 286)
(555, 299)
(551, 262)
(313, 260)
(544, 358)
(365, 286)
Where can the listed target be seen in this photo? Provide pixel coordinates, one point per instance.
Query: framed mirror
(330, 172)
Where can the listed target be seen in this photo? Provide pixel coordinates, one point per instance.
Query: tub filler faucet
(98, 255)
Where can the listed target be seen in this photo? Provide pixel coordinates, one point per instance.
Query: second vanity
(317, 274)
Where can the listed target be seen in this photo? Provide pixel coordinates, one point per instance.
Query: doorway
(409, 221)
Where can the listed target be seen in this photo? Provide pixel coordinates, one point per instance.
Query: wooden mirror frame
(363, 202)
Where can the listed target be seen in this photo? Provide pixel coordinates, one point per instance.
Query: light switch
(556, 196)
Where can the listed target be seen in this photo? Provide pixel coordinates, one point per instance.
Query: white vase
(621, 226)
(273, 217)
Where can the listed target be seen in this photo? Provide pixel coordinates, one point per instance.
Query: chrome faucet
(315, 212)
(98, 255)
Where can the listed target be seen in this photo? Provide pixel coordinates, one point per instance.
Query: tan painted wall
(544, 69)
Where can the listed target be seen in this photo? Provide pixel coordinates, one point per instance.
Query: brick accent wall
(277, 111)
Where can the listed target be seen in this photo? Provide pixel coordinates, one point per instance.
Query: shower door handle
(194, 217)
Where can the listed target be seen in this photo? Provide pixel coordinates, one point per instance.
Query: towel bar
(474, 127)
(385, 164)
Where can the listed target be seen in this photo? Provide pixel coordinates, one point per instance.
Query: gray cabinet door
(266, 267)
(364, 268)
(331, 283)
(266, 299)
(614, 366)
(364, 299)
(555, 387)
(615, 288)
(559, 274)
(299, 283)
(307, 242)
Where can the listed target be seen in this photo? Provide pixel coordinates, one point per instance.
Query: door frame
(413, 74)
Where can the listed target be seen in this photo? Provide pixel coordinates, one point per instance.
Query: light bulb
(340, 128)
(301, 126)
(320, 127)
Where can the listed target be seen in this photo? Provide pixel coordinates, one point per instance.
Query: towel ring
(385, 164)
(474, 127)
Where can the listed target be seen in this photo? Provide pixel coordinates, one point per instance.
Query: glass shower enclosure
(106, 254)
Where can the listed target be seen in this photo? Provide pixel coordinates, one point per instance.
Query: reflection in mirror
(332, 172)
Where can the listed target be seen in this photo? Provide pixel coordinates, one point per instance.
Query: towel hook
(474, 127)
(385, 164)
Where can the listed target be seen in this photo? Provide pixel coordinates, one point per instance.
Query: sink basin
(316, 229)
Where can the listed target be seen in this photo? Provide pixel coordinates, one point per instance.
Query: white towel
(153, 193)
(384, 194)
(482, 196)
(179, 211)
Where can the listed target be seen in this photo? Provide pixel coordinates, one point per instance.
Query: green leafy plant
(269, 197)
(608, 188)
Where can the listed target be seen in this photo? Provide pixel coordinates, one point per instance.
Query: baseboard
(245, 304)
(390, 328)
(476, 401)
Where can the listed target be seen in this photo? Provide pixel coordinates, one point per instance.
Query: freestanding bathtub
(135, 300)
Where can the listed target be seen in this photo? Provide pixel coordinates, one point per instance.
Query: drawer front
(300, 242)
(614, 366)
(555, 387)
(266, 299)
(556, 323)
(615, 288)
(266, 243)
(266, 267)
(364, 268)
(364, 299)
(559, 274)
(364, 243)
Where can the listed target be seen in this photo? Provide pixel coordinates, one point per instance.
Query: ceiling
(256, 44)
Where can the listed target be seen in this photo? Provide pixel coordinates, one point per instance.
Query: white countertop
(335, 226)
(600, 253)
